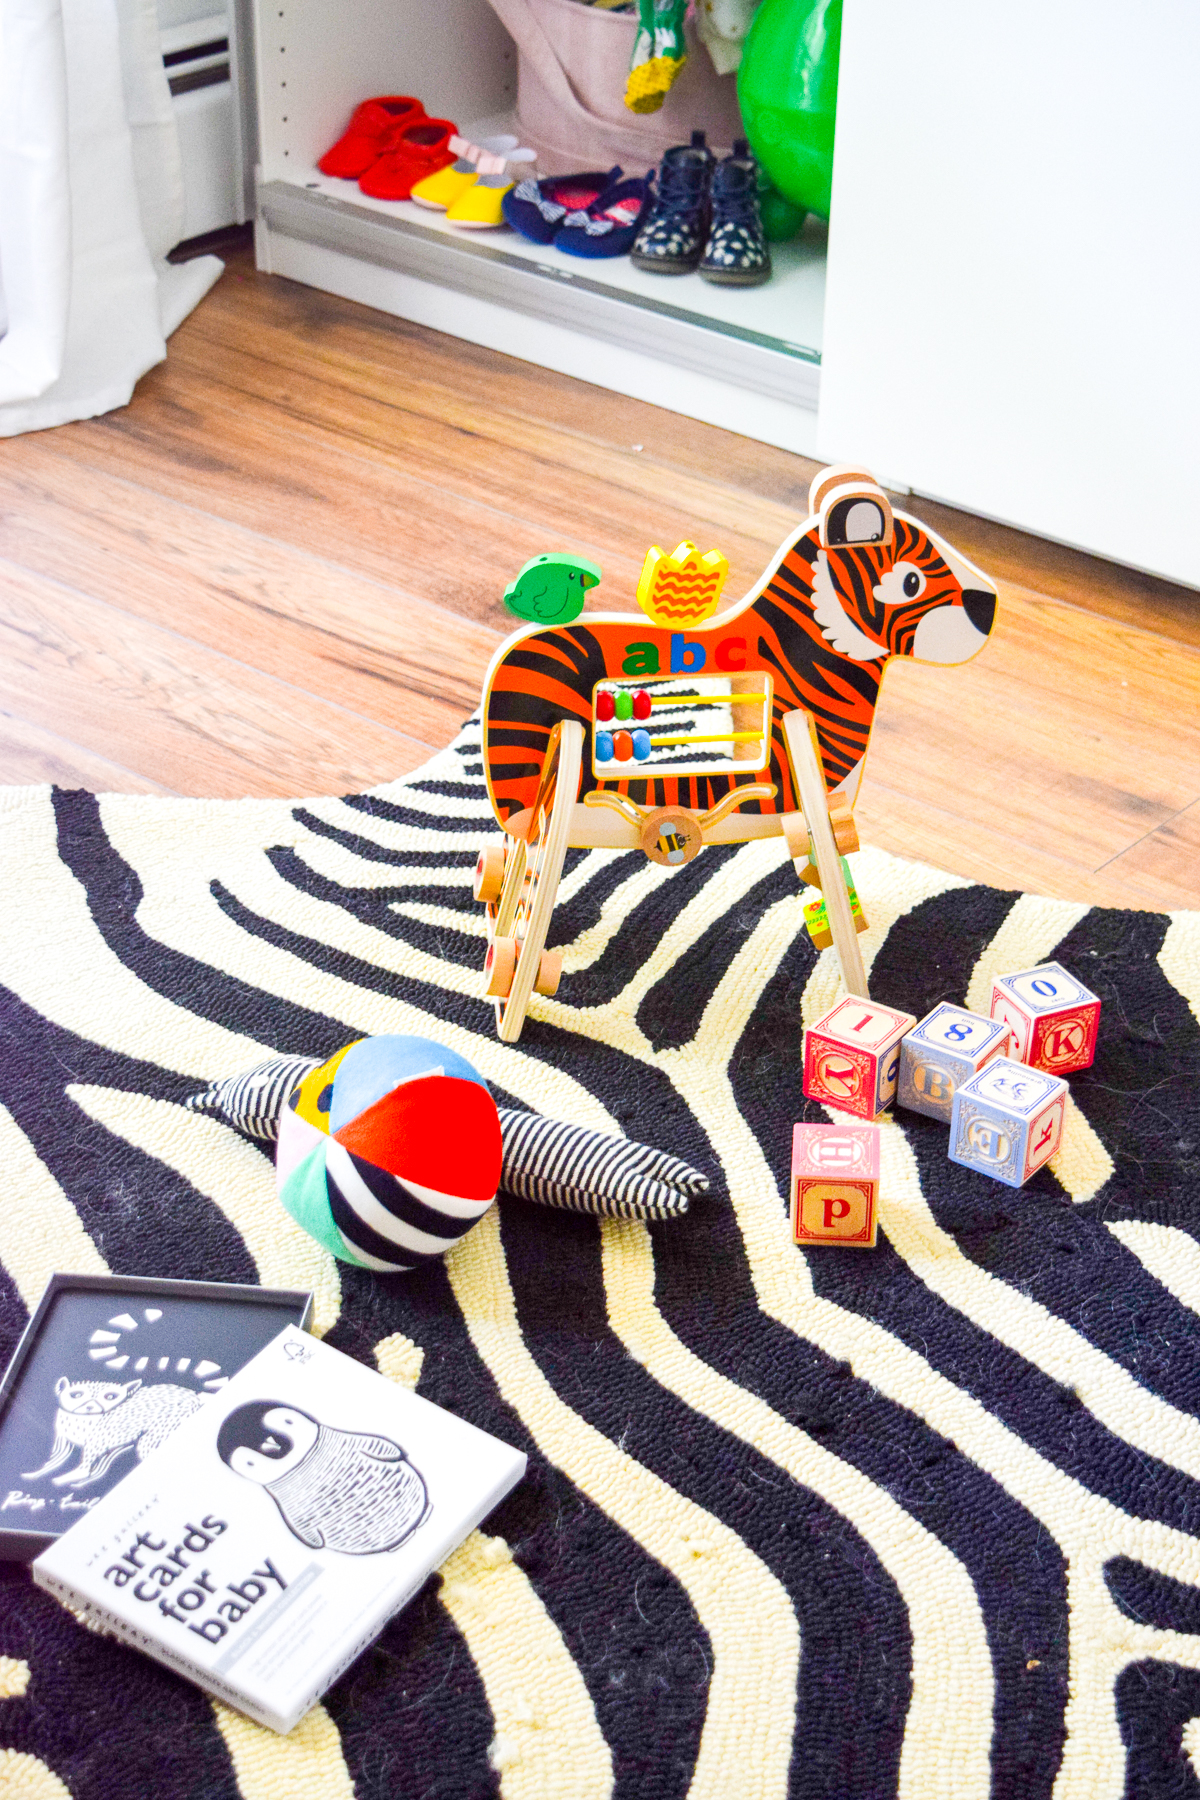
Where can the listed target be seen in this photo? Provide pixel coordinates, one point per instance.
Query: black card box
(106, 1368)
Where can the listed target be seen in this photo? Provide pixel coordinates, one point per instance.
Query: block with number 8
(1007, 1120)
(1053, 1018)
(852, 1056)
(944, 1050)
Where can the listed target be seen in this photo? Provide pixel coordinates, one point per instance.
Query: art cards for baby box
(269, 1540)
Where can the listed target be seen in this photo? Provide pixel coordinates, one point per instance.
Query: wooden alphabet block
(1054, 1019)
(835, 1184)
(1007, 1120)
(852, 1055)
(944, 1050)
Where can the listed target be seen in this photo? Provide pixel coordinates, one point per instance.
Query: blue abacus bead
(604, 746)
(641, 745)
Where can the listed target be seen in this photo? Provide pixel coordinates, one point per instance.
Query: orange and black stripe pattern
(814, 628)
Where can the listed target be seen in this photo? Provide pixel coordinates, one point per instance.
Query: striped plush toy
(389, 1151)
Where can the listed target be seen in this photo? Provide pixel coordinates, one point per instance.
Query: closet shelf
(765, 340)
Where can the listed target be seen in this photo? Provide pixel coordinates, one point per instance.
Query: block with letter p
(944, 1050)
(835, 1184)
(1053, 1018)
(852, 1055)
(1007, 1120)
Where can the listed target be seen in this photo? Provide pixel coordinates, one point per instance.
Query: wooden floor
(279, 571)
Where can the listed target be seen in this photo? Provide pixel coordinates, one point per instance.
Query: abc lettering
(1043, 987)
(958, 1029)
(835, 1209)
(642, 658)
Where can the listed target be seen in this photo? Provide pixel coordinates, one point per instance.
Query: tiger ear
(851, 508)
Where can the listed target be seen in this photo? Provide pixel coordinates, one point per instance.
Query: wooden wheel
(532, 871)
(845, 831)
(808, 776)
(499, 968)
(489, 872)
(549, 973)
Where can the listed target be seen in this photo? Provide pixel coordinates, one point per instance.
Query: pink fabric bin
(572, 64)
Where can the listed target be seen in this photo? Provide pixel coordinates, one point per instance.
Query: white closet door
(1013, 304)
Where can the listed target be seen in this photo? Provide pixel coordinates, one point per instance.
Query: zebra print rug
(919, 1522)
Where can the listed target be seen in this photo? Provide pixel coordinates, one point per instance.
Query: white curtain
(91, 199)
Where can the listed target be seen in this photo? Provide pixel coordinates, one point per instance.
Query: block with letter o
(852, 1056)
(835, 1184)
(1054, 1020)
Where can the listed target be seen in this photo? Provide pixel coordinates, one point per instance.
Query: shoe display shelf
(747, 359)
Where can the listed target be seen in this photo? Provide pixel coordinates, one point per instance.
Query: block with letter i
(1053, 1018)
(1007, 1120)
(835, 1184)
(944, 1050)
(852, 1055)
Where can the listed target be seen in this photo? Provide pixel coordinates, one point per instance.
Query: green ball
(781, 220)
(787, 87)
(624, 705)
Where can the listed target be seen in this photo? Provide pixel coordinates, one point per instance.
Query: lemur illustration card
(108, 1367)
(270, 1538)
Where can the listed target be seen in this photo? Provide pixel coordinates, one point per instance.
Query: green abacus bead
(624, 705)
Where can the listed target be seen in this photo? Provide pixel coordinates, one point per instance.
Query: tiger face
(912, 597)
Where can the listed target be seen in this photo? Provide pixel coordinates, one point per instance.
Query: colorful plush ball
(389, 1152)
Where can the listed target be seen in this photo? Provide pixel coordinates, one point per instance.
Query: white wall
(1013, 300)
(318, 58)
(182, 12)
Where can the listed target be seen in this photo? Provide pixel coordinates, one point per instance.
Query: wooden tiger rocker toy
(682, 726)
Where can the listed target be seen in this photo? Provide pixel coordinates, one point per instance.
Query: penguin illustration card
(108, 1366)
(265, 1545)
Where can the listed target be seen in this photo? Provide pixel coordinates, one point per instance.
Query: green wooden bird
(550, 589)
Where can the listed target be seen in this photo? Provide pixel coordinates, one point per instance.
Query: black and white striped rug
(918, 1522)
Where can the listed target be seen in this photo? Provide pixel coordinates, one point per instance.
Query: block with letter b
(944, 1050)
(852, 1055)
(1053, 1018)
(835, 1184)
(1007, 1120)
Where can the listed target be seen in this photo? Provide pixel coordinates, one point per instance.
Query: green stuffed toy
(659, 53)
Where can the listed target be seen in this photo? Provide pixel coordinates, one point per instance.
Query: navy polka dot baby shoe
(609, 225)
(672, 240)
(537, 208)
(736, 254)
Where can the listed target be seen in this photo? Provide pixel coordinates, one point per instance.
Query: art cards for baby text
(266, 1544)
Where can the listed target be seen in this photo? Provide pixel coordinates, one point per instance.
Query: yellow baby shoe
(479, 206)
(441, 189)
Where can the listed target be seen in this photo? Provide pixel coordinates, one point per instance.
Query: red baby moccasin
(372, 127)
(415, 151)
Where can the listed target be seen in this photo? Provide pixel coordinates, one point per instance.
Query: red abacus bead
(641, 704)
(605, 706)
(623, 746)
